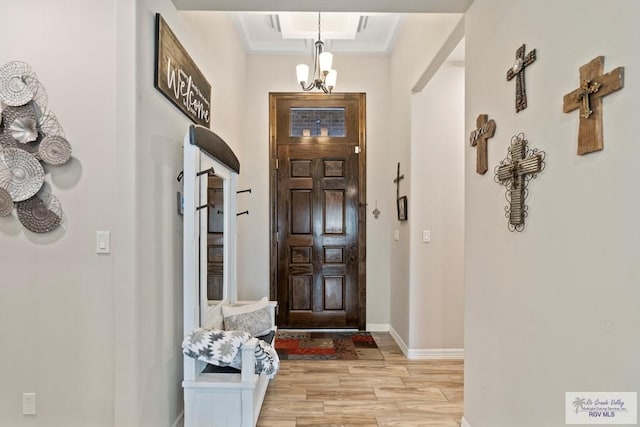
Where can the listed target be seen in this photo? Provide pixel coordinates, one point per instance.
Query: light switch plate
(28, 403)
(103, 242)
(426, 236)
(396, 235)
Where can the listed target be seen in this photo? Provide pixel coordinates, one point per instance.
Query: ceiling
(348, 26)
(295, 32)
(369, 6)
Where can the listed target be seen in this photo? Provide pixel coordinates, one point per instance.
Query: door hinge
(356, 149)
(277, 164)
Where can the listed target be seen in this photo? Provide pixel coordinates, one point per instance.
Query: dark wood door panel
(322, 276)
(319, 234)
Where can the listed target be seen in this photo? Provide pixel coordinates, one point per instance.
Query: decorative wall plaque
(517, 71)
(514, 172)
(486, 129)
(588, 97)
(178, 78)
(29, 134)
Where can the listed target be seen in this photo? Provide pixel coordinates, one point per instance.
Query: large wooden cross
(397, 181)
(486, 129)
(588, 97)
(515, 172)
(517, 71)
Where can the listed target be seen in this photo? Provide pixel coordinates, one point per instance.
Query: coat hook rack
(243, 213)
(248, 190)
(180, 175)
(206, 206)
(209, 172)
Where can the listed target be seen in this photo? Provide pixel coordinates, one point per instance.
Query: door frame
(360, 97)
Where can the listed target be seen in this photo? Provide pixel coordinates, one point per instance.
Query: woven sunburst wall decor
(30, 136)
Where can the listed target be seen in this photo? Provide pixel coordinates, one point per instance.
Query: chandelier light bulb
(302, 71)
(326, 60)
(330, 81)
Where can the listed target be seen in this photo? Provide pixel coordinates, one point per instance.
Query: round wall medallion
(18, 83)
(54, 150)
(6, 204)
(21, 174)
(40, 215)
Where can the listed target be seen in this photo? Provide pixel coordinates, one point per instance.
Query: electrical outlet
(28, 403)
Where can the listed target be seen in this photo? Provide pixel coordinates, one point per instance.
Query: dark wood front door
(318, 211)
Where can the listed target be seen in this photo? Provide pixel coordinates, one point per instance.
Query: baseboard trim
(398, 339)
(426, 354)
(436, 353)
(377, 327)
(464, 423)
(179, 422)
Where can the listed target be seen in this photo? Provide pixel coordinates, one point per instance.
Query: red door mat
(293, 345)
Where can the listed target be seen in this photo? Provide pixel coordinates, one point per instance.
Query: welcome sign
(178, 78)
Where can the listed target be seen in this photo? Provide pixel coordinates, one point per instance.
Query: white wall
(554, 308)
(160, 131)
(418, 42)
(266, 74)
(56, 294)
(98, 337)
(436, 203)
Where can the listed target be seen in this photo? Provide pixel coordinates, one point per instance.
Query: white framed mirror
(210, 176)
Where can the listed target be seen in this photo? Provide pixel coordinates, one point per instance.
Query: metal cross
(397, 181)
(517, 71)
(515, 172)
(587, 88)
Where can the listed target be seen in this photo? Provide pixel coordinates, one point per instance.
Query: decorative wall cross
(486, 129)
(514, 172)
(517, 71)
(588, 97)
(397, 181)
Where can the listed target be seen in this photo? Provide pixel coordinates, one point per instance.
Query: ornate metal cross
(588, 97)
(517, 71)
(397, 181)
(515, 172)
(586, 89)
(486, 129)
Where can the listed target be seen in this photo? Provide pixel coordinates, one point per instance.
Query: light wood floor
(383, 393)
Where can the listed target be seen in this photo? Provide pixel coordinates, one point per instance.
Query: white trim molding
(179, 422)
(436, 353)
(398, 339)
(464, 423)
(377, 327)
(427, 353)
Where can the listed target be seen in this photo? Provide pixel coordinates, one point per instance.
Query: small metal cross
(397, 181)
(517, 71)
(587, 88)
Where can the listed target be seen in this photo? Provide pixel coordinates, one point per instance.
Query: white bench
(222, 396)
